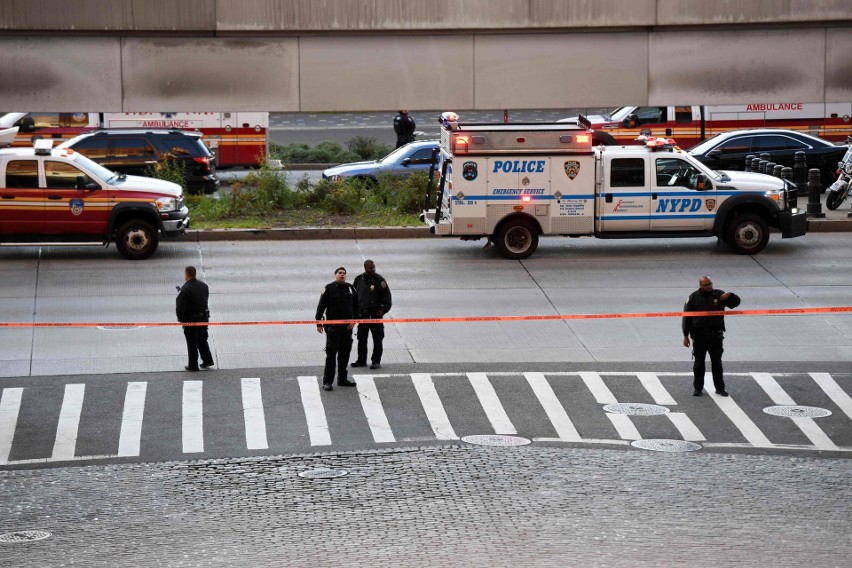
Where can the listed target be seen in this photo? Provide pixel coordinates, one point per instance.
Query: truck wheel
(747, 234)
(136, 240)
(517, 239)
(834, 199)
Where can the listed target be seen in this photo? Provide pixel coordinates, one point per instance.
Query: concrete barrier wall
(342, 55)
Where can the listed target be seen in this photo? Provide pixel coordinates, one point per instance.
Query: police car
(58, 196)
(511, 183)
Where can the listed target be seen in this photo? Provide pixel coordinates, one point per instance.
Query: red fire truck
(235, 138)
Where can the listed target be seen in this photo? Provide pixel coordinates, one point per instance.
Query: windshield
(715, 174)
(704, 147)
(94, 168)
(620, 113)
(396, 155)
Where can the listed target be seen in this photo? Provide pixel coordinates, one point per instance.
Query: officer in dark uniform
(191, 306)
(374, 301)
(404, 127)
(707, 332)
(338, 301)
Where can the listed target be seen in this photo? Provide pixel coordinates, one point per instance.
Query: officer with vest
(404, 127)
(191, 306)
(374, 301)
(338, 301)
(707, 332)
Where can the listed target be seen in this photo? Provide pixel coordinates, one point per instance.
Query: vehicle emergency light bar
(513, 138)
(43, 146)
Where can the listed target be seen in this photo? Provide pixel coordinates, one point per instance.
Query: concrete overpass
(346, 55)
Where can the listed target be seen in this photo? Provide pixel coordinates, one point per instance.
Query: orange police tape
(463, 319)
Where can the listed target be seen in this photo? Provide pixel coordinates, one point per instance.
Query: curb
(829, 225)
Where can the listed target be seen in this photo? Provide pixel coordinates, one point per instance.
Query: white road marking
(687, 428)
(491, 404)
(806, 424)
(253, 414)
(314, 411)
(69, 422)
(624, 426)
(432, 406)
(373, 409)
(595, 384)
(553, 408)
(192, 432)
(655, 388)
(129, 440)
(10, 405)
(833, 390)
(739, 418)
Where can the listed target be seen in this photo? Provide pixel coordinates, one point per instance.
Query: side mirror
(84, 182)
(714, 153)
(702, 183)
(630, 121)
(27, 124)
(406, 162)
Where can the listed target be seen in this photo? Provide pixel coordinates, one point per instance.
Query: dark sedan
(728, 150)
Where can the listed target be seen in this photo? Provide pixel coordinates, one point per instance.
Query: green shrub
(170, 170)
(359, 148)
(342, 197)
(368, 148)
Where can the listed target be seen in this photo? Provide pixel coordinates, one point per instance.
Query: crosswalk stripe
(806, 424)
(833, 390)
(491, 404)
(373, 409)
(565, 429)
(10, 406)
(193, 418)
(687, 428)
(624, 426)
(65, 444)
(655, 388)
(253, 414)
(595, 384)
(432, 406)
(129, 440)
(314, 411)
(739, 418)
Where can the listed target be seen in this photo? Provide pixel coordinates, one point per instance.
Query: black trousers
(378, 331)
(196, 343)
(705, 342)
(338, 346)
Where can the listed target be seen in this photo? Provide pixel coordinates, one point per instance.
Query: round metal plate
(119, 327)
(659, 445)
(636, 409)
(23, 536)
(496, 440)
(322, 473)
(794, 411)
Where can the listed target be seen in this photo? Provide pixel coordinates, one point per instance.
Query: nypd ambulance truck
(511, 183)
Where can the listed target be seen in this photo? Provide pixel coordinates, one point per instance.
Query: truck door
(21, 199)
(70, 208)
(623, 201)
(681, 198)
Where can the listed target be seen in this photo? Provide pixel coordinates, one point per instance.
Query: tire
(834, 199)
(747, 234)
(517, 239)
(136, 239)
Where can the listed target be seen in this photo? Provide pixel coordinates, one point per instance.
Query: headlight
(166, 203)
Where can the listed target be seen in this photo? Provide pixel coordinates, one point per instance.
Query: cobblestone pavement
(440, 506)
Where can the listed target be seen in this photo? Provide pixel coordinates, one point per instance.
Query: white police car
(402, 162)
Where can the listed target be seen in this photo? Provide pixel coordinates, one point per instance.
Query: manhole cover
(666, 445)
(23, 536)
(322, 473)
(496, 440)
(636, 409)
(118, 327)
(797, 411)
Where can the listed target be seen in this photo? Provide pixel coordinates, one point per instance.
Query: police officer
(338, 301)
(404, 127)
(374, 301)
(707, 332)
(191, 306)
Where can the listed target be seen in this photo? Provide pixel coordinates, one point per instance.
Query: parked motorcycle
(839, 190)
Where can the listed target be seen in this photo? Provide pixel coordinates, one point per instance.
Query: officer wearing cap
(374, 301)
(404, 127)
(191, 306)
(707, 332)
(338, 301)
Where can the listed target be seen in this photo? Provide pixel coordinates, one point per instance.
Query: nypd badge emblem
(572, 168)
(76, 206)
(710, 204)
(470, 171)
